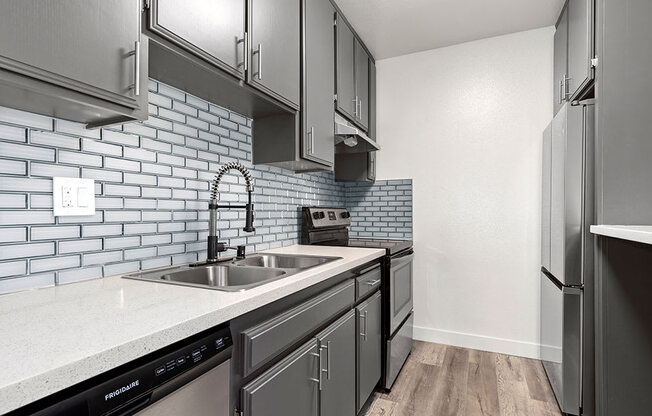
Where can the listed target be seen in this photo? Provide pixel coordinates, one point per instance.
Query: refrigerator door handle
(552, 278)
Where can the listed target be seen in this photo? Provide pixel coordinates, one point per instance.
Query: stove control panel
(321, 217)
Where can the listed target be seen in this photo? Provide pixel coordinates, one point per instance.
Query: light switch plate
(73, 197)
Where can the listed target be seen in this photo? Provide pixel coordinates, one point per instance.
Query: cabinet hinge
(237, 412)
(146, 4)
(594, 62)
(334, 97)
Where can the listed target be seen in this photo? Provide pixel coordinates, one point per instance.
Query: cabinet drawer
(263, 342)
(367, 283)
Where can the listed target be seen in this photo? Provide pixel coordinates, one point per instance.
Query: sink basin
(228, 278)
(283, 261)
(234, 276)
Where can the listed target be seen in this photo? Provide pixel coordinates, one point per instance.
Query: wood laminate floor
(441, 380)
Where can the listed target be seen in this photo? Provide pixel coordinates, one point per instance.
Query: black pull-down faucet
(215, 247)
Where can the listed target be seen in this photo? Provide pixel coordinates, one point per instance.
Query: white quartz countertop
(638, 233)
(53, 338)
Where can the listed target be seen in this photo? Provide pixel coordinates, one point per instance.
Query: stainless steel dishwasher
(190, 377)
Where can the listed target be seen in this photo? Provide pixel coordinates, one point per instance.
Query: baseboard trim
(478, 342)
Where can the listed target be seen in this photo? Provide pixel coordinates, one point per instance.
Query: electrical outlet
(66, 196)
(73, 197)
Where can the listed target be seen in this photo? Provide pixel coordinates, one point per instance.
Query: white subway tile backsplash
(13, 235)
(15, 134)
(18, 251)
(152, 185)
(22, 118)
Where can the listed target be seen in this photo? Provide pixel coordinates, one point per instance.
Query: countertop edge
(20, 393)
(636, 233)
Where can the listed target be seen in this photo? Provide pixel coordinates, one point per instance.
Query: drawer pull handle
(373, 282)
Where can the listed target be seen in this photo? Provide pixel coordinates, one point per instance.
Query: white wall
(465, 123)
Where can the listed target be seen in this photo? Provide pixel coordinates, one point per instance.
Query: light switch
(73, 197)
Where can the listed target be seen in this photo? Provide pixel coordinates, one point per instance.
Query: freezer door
(561, 340)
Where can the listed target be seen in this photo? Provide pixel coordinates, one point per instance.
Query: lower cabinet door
(289, 388)
(369, 347)
(337, 344)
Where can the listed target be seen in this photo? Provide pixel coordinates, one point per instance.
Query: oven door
(400, 289)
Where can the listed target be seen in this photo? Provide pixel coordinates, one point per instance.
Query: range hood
(350, 139)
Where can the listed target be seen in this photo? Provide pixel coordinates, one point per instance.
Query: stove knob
(321, 215)
(345, 214)
(318, 215)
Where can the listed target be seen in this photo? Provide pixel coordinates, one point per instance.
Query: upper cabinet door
(362, 85)
(561, 61)
(83, 45)
(212, 30)
(372, 100)
(580, 45)
(274, 46)
(346, 94)
(318, 82)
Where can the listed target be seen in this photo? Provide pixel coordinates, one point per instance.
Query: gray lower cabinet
(274, 48)
(361, 85)
(318, 84)
(90, 49)
(345, 64)
(369, 347)
(212, 30)
(289, 388)
(560, 66)
(337, 344)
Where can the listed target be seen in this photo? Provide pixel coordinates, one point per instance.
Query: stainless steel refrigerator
(567, 257)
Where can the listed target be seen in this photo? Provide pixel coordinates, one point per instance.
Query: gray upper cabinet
(574, 51)
(337, 345)
(560, 75)
(88, 47)
(214, 31)
(369, 347)
(362, 85)
(346, 101)
(352, 63)
(580, 46)
(318, 142)
(289, 388)
(274, 49)
(372, 100)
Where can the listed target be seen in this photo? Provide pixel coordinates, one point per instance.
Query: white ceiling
(397, 27)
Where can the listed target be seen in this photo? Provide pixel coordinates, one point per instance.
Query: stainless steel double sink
(235, 275)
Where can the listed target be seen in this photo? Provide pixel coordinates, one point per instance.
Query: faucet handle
(240, 252)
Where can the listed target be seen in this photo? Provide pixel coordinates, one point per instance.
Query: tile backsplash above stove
(152, 190)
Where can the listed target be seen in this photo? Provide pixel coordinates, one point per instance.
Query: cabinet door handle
(136, 54)
(311, 134)
(360, 109)
(259, 51)
(328, 360)
(317, 380)
(363, 334)
(355, 107)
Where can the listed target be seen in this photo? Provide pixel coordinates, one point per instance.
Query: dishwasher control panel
(136, 384)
